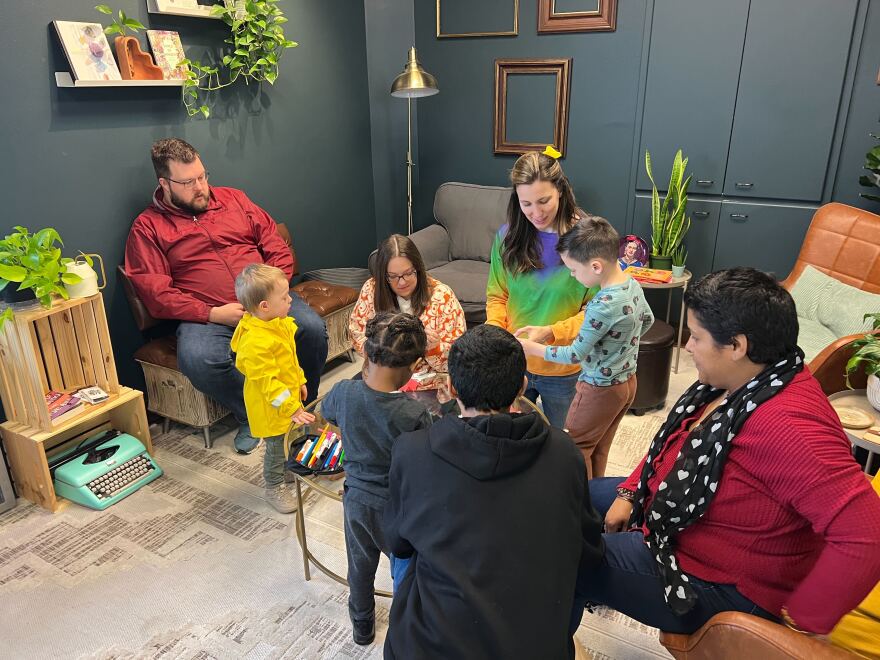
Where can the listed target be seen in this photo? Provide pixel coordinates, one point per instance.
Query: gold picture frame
(462, 35)
(561, 68)
(603, 19)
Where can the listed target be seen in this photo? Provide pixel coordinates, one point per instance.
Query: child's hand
(532, 348)
(302, 417)
(536, 333)
(303, 393)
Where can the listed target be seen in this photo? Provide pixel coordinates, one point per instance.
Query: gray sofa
(456, 249)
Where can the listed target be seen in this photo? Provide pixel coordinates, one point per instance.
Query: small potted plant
(669, 221)
(34, 262)
(679, 257)
(134, 64)
(872, 178)
(868, 354)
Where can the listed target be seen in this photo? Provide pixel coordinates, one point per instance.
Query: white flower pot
(874, 391)
(678, 271)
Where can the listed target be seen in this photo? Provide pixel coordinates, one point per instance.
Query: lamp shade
(414, 82)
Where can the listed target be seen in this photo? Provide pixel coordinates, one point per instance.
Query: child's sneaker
(281, 498)
(364, 632)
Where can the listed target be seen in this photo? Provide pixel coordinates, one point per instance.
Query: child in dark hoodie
(494, 510)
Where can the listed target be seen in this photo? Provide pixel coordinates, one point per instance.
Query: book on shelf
(168, 52)
(650, 275)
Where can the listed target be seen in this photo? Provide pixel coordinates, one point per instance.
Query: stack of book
(62, 405)
(650, 275)
(323, 452)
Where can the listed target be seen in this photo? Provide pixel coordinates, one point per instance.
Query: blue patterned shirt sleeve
(597, 319)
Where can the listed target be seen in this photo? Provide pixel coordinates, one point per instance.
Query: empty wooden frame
(597, 16)
(512, 32)
(504, 68)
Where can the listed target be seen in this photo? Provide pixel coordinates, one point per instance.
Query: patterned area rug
(197, 565)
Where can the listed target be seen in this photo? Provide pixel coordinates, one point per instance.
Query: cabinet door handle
(701, 214)
(705, 182)
(740, 184)
(739, 216)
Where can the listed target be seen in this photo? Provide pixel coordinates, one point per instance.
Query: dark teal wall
(863, 117)
(78, 159)
(455, 127)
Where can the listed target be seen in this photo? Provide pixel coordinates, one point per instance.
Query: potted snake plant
(669, 219)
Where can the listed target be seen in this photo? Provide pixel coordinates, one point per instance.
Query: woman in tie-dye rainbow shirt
(530, 292)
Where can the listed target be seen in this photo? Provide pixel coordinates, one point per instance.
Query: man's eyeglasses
(190, 183)
(399, 279)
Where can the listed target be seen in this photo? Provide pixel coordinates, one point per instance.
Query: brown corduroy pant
(593, 418)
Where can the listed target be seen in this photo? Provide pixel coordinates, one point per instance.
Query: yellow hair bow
(551, 151)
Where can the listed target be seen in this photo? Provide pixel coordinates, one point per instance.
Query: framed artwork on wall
(531, 104)
(576, 16)
(487, 18)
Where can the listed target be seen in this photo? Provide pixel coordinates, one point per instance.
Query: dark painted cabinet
(790, 86)
(693, 69)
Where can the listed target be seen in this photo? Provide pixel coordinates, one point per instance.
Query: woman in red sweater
(748, 498)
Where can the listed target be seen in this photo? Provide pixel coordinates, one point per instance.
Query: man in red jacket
(183, 254)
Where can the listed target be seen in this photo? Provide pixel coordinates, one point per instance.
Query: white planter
(874, 391)
(678, 271)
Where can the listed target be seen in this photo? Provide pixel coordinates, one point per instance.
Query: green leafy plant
(872, 165)
(34, 261)
(669, 222)
(867, 350)
(256, 43)
(120, 23)
(679, 256)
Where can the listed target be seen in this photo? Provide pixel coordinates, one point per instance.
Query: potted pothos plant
(256, 43)
(134, 63)
(34, 263)
(868, 355)
(669, 220)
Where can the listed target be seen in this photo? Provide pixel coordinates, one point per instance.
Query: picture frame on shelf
(537, 72)
(577, 16)
(87, 51)
(478, 13)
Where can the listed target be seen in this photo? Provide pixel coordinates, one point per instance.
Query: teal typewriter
(103, 469)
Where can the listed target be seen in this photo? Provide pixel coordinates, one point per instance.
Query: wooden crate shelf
(29, 450)
(64, 348)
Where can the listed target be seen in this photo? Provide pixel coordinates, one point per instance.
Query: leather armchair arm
(829, 367)
(434, 245)
(740, 635)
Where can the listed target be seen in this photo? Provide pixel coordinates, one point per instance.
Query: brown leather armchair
(843, 242)
(739, 635)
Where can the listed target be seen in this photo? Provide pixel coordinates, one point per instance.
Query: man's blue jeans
(627, 580)
(204, 356)
(557, 393)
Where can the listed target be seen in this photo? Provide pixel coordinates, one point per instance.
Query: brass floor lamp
(413, 83)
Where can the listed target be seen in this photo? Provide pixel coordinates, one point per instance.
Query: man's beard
(199, 206)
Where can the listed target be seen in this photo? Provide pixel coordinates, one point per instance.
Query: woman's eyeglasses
(394, 278)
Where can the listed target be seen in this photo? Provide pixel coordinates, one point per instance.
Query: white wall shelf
(64, 79)
(200, 12)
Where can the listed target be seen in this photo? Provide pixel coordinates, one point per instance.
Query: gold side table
(675, 283)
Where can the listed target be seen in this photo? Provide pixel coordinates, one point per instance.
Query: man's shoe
(244, 442)
(364, 632)
(282, 499)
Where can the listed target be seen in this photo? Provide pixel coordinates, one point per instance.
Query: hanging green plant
(256, 44)
(872, 166)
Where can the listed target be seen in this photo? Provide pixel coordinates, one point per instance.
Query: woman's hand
(433, 339)
(617, 518)
(539, 333)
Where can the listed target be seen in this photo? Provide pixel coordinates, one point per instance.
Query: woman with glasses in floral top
(403, 284)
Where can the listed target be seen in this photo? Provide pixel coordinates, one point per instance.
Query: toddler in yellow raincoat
(274, 383)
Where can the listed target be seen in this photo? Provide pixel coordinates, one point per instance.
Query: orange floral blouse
(443, 316)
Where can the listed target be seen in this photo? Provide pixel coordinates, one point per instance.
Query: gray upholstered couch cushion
(472, 215)
(467, 278)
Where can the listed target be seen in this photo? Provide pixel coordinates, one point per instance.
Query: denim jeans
(273, 461)
(204, 356)
(556, 393)
(398, 570)
(364, 542)
(628, 581)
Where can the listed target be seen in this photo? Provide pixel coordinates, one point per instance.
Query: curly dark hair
(486, 367)
(395, 339)
(171, 149)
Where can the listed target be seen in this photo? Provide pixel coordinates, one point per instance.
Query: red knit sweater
(794, 521)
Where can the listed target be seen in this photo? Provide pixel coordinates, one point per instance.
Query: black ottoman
(655, 361)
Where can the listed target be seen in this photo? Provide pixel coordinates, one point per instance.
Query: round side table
(857, 399)
(675, 283)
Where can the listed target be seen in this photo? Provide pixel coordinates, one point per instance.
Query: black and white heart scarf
(689, 487)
